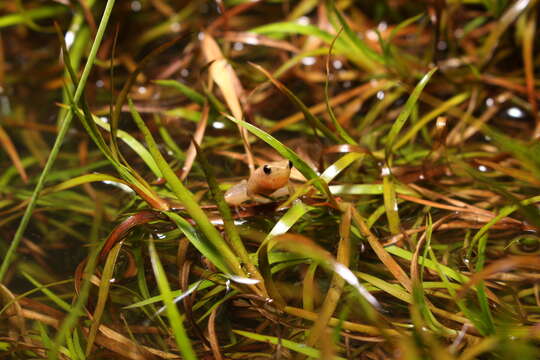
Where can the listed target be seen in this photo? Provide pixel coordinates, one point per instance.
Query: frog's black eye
(290, 164)
(267, 169)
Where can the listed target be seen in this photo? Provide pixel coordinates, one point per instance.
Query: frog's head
(269, 177)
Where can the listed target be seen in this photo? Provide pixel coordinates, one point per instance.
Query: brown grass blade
(12, 152)
(191, 152)
(226, 79)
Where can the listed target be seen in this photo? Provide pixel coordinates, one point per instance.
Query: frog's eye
(267, 169)
(290, 164)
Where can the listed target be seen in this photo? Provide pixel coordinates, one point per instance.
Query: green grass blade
(390, 202)
(184, 89)
(133, 144)
(175, 319)
(297, 347)
(407, 255)
(341, 164)
(52, 296)
(406, 112)
(103, 293)
(486, 317)
(199, 285)
(41, 12)
(200, 243)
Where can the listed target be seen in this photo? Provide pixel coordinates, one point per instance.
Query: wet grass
(410, 228)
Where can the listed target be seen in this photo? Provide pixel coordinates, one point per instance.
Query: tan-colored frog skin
(264, 181)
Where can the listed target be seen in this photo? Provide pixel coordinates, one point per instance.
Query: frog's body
(264, 181)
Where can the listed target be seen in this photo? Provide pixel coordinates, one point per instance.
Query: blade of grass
(103, 293)
(175, 319)
(341, 164)
(407, 255)
(297, 347)
(184, 89)
(40, 12)
(228, 82)
(200, 243)
(406, 112)
(342, 133)
(12, 153)
(287, 221)
(492, 41)
(382, 252)
(337, 283)
(52, 296)
(390, 201)
(486, 317)
(134, 144)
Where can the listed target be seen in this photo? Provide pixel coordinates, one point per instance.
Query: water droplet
(385, 171)
(442, 45)
(136, 6)
(383, 25)
(303, 20)
(372, 35)
(218, 125)
(100, 83)
(380, 95)
(69, 38)
(490, 102)
(184, 72)
(482, 168)
(309, 60)
(251, 40)
(515, 112)
(337, 64)
(238, 46)
(141, 90)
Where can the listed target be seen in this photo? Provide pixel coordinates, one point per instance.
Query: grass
(410, 230)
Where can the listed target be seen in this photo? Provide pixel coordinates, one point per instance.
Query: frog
(264, 182)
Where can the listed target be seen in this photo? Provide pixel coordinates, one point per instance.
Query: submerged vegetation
(410, 228)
